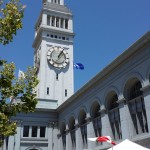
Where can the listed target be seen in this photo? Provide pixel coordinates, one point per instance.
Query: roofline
(109, 68)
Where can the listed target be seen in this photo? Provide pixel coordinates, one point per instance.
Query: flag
(78, 66)
(103, 139)
(21, 74)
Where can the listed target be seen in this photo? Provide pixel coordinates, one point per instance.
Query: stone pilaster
(52, 127)
(55, 139)
(44, 19)
(11, 143)
(146, 95)
(4, 144)
(106, 128)
(90, 133)
(79, 141)
(18, 135)
(60, 144)
(68, 140)
(125, 118)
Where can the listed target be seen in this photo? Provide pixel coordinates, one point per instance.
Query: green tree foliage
(16, 94)
(11, 15)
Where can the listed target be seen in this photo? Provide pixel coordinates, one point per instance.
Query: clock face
(58, 57)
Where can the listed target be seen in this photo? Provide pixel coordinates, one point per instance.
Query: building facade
(116, 102)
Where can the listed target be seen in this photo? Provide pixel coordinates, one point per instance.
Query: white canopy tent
(128, 145)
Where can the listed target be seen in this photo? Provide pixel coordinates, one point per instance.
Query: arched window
(114, 115)
(83, 127)
(96, 119)
(137, 107)
(72, 132)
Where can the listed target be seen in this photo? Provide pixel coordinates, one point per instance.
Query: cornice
(50, 29)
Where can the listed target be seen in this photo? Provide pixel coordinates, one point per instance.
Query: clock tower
(53, 54)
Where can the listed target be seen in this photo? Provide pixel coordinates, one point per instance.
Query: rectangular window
(65, 92)
(53, 21)
(26, 131)
(42, 131)
(66, 23)
(34, 131)
(56, 76)
(47, 90)
(57, 22)
(48, 20)
(61, 23)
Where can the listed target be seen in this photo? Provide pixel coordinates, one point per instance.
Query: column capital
(102, 110)
(88, 119)
(77, 125)
(67, 131)
(145, 88)
(52, 124)
(122, 100)
(19, 122)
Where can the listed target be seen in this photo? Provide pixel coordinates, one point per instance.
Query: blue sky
(103, 28)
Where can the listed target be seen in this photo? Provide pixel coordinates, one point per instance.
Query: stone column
(51, 126)
(38, 132)
(54, 21)
(125, 118)
(106, 127)
(63, 23)
(146, 95)
(79, 141)
(18, 135)
(44, 19)
(90, 133)
(11, 143)
(4, 144)
(59, 22)
(61, 2)
(60, 144)
(70, 24)
(50, 21)
(55, 138)
(68, 140)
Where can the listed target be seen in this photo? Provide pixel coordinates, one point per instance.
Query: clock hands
(60, 54)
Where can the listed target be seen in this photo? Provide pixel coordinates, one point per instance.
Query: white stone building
(116, 102)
